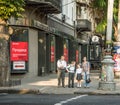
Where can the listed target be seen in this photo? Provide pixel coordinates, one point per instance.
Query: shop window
(95, 52)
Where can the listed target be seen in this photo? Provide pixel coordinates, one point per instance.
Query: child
(71, 70)
(78, 75)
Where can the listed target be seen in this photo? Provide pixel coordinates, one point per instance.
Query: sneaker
(72, 86)
(77, 85)
(80, 86)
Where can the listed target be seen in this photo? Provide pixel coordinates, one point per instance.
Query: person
(86, 71)
(61, 68)
(71, 69)
(78, 75)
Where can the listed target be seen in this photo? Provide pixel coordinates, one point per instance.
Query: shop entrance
(41, 53)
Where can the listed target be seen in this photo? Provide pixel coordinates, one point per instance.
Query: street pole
(107, 83)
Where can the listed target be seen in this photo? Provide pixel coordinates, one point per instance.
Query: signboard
(52, 53)
(19, 65)
(19, 51)
(95, 39)
(77, 56)
(66, 54)
(116, 58)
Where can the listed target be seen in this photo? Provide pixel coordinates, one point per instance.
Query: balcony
(46, 6)
(82, 2)
(83, 25)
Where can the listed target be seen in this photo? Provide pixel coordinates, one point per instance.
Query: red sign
(77, 55)
(52, 54)
(66, 54)
(116, 58)
(19, 51)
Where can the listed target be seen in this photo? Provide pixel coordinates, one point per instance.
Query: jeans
(85, 77)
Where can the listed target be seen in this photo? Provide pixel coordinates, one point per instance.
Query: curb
(33, 91)
(98, 93)
(20, 91)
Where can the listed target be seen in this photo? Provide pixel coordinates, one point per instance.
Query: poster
(52, 53)
(77, 56)
(66, 54)
(19, 51)
(116, 58)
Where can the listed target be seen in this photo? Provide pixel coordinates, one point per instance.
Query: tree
(100, 7)
(8, 9)
(118, 36)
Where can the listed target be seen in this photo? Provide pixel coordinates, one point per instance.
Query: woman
(86, 72)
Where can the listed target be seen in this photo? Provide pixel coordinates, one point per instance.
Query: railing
(49, 5)
(83, 2)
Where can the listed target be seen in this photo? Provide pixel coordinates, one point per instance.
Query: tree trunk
(4, 62)
(4, 54)
(118, 36)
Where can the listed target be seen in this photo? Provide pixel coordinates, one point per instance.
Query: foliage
(9, 8)
(100, 6)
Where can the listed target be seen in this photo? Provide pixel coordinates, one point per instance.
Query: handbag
(88, 80)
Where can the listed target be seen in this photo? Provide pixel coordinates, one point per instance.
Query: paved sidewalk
(48, 85)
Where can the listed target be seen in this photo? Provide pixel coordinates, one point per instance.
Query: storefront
(35, 49)
(29, 50)
(95, 52)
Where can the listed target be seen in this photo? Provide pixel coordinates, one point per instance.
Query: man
(61, 67)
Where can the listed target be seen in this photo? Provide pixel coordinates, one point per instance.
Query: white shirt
(61, 64)
(78, 70)
(71, 68)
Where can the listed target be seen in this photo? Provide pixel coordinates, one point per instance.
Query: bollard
(108, 82)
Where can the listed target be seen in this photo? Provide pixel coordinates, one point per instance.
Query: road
(30, 99)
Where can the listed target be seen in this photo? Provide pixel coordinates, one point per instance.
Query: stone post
(108, 82)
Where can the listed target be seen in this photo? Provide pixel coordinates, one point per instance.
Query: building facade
(91, 43)
(30, 43)
(66, 43)
(48, 30)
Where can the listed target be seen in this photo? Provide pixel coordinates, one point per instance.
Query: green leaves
(101, 27)
(10, 8)
(100, 7)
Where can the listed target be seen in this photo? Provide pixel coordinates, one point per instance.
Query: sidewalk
(48, 85)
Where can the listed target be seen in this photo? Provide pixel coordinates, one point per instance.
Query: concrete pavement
(48, 85)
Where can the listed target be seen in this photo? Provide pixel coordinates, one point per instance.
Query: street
(45, 99)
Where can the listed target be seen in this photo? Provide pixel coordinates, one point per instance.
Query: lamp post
(107, 83)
